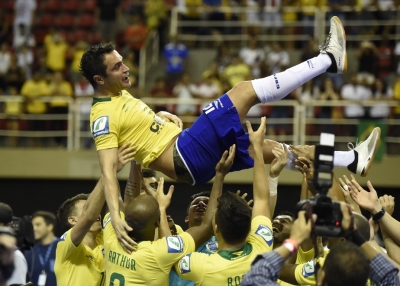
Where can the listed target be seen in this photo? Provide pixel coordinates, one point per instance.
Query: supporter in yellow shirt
(56, 49)
(237, 71)
(77, 53)
(79, 253)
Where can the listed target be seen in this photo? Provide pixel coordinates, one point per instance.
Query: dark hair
(288, 214)
(148, 173)
(195, 196)
(92, 62)
(346, 264)
(67, 208)
(48, 217)
(233, 218)
(6, 213)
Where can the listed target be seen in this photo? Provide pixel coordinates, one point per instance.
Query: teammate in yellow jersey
(242, 233)
(79, 253)
(187, 156)
(152, 261)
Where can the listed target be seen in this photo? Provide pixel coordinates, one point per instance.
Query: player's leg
(332, 58)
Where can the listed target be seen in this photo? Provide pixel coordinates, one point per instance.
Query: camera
(329, 215)
(23, 229)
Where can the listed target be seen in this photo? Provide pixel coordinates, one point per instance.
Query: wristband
(273, 186)
(379, 215)
(357, 238)
(291, 245)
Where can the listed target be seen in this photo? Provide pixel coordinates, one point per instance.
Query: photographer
(7, 247)
(20, 266)
(266, 268)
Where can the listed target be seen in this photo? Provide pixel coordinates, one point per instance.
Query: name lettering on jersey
(266, 233)
(121, 260)
(100, 126)
(235, 281)
(106, 221)
(308, 269)
(174, 244)
(184, 264)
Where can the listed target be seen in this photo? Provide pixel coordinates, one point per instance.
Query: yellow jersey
(149, 265)
(119, 119)
(228, 267)
(79, 265)
(32, 89)
(237, 73)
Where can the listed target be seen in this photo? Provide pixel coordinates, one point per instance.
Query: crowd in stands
(42, 43)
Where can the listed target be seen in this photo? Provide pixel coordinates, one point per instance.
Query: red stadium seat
(10, 5)
(78, 35)
(39, 35)
(89, 5)
(52, 6)
(85, 21)
(94, 38)
(70, 6)
(46, 20)
(65, 21)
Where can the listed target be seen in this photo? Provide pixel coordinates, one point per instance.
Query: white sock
(277, 86)
(343, 158)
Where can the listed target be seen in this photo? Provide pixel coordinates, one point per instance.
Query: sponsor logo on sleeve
(100, 126)
(184, 264)
(266, 233)
(108, 219)
(174, 244)
(308, 269)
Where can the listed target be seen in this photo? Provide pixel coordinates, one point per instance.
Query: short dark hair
(67, 208)
(6, 213)
(195, 196)
(92, 62)
(346, 264)
(148, 173)
(49, 217)
(233, 218)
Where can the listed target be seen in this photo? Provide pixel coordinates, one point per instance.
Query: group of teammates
(130, 255)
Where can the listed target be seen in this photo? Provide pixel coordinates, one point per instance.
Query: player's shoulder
(193, 260)
(261, 228)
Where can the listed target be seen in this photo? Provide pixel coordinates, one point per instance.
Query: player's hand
(347, 217)
(121, 230)
(306, 167)
(301, 228)
(306, 151)
(367, 200)
(249, 202)
(168, 117)
(163, 200)
(346, 194)
(257, 137)
(125, 154)
(387, 202)
(281, 158)
(225, 164)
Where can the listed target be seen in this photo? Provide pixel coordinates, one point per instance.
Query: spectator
(15, 76)
(156, 18)
(308, 16)
(56, 51)
(185, 89)
(237, 71)
(367, 60)
(13, 111)
(273, 19)
(7, 257)
(4, 26)
(252, 56)
(19, 274)
(59, 88)
(135, 35)
(42, 257)
(208, 89)
(175, 53)
(32, 90)
(25, 60)
(131, 62)
(22, 37)
(83, 89)
(386, 58)
(328, 93)
(5, 62)
(24, 14)
(277, 59)
(357, 92)
(223, 58)
(380, 93)
(160, 90)
(136, 7)
(191, 13)
(288, 18)
(280, 113)
(77, 53)
(108, 15)
(305, 94)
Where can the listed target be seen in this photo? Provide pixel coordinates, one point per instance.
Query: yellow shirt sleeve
(105, 131)
(168, 250)
(179, 229)
(261, 235)
(304, 256)
(66, 250)
(192, 267)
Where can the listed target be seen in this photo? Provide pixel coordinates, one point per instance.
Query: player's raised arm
(134, 183)
(204, 231)
(109, 165)
(261, 193)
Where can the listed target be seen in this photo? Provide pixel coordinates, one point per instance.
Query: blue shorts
(202, 145)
